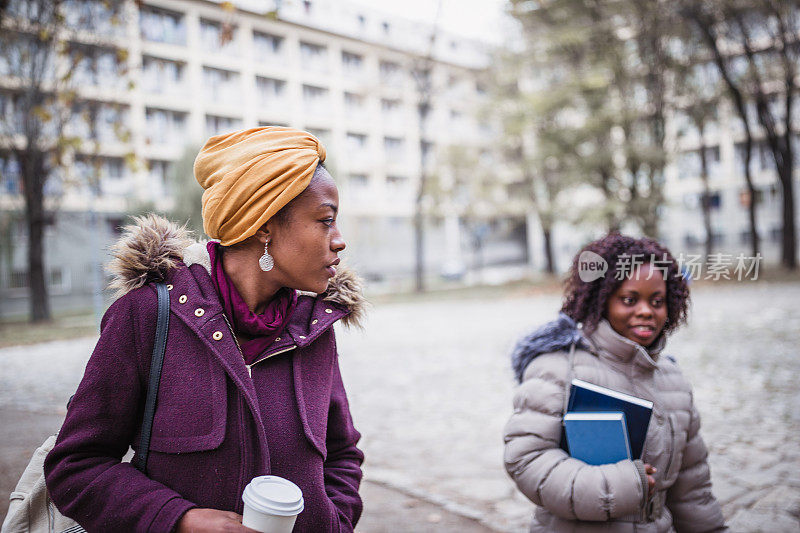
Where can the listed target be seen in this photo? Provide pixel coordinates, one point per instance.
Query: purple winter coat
(216, 426)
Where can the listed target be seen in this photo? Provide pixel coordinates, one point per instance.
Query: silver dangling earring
(266, 262)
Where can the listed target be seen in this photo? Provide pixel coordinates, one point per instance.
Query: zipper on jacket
(250, 366)
(243, 481)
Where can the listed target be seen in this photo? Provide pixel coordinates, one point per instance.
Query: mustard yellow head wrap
(249, 175)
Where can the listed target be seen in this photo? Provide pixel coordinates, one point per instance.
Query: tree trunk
(695, 12)
(788, 236)
(419, 220)
(32, 167)
(39, 302)
(751, 190)
(706, 199)
(550, 266)
(419, 250)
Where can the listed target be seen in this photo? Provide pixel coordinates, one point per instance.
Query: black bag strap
(159, 346)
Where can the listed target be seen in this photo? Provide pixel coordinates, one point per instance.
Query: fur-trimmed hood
(152, 246)
(562, 333)
(557, 335)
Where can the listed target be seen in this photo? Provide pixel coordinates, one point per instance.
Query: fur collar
(554, 336)
(152, 246)
(561, 333)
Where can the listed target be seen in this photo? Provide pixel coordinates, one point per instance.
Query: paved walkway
(430, 389)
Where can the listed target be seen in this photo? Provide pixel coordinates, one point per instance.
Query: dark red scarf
(255, 332)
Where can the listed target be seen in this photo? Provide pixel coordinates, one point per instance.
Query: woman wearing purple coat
(250, 383)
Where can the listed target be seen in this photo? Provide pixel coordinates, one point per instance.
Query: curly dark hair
(585, 302)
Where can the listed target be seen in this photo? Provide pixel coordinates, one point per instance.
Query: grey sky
(480, 19)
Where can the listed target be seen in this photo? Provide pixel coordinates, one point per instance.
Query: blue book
(588, 397)
(597, 438)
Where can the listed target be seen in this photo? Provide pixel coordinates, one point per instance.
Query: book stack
(604, 426)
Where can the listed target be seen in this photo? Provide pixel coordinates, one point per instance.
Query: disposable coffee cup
(271, 504)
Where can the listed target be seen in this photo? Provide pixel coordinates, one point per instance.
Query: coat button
(182, 299)
(217, 335)
(302, 336)
(169, 287)
(199, 312)
(277, 339)
(314, 321)
(329, 311)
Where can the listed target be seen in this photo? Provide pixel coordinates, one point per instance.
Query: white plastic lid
(274, 495)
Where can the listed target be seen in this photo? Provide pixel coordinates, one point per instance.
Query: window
(393, 146)
(105, 176)
(217, 36)
(358, 185)
(109, 123)
(221, 85)
(159, 172)
(99, 122)
(114, 168)
(392, 112)
(162, 26)
(270, 91)
(759, 157)
(9, 174)
(96, 67)
(390, 73)
(267, 44)
(713, 161)
(689, 165)
(713, 200)
(96, 16)
(389, 106)
(315, 99)
(16, 49)
(165, 127)
(353, 102)
(216, 125)
(397, 185)
(11, 111)
(427, 149)
(162, 76)
(314, 57)
(356, 141)
(352, 63)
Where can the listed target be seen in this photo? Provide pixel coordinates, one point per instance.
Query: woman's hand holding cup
(211, 521)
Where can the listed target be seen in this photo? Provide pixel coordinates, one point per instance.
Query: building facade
(156, 78)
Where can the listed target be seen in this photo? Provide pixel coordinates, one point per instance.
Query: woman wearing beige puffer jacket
(625, 316)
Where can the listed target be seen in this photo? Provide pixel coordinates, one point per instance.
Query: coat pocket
(192, 404)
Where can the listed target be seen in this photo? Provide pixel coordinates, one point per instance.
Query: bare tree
(698, 94)
(36, 40)
(762, 36)
(423, 77)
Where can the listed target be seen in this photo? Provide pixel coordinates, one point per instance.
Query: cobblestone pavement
(430, 389)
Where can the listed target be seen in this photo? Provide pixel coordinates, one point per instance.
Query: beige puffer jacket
(572, 496)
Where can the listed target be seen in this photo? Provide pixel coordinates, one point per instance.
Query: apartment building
(159, 77)
(724, 144)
